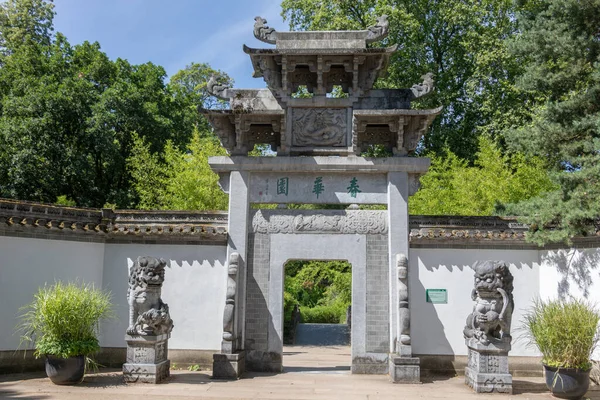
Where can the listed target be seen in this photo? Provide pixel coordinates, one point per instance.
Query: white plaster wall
(194, 289)
(438, 328)
(571, 272)
(27, 264)
(195, 285)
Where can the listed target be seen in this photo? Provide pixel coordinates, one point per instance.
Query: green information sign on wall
(436, 296)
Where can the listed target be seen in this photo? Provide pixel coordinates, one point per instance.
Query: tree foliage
(68, 114)
(189, 88)
(461, 42)
(322, 289)
(176, 179)
(560, 48)
(453, 187)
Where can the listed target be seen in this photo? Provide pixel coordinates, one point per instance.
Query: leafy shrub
(331, 314)
(322, 289)
(63, 319)
(565, 332)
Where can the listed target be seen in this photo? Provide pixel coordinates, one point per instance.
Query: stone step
(322, 335)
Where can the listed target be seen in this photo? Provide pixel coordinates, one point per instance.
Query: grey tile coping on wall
(46, 221)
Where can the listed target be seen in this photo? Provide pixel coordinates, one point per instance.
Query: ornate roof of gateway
(320, 98)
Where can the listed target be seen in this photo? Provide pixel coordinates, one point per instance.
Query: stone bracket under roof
(338, 131)
(398, 131)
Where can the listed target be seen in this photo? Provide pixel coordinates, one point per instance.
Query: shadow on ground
(10, 394)
(21, 376)
(104, 379)
(431, 377)
(319, 370)
(522, 387)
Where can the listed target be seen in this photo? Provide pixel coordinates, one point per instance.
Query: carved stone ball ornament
(148, 315)
(491, 317)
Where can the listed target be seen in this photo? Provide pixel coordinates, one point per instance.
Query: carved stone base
(146, 359)
(146, 373)
(487, 368)
(229, 366)
(405, 369)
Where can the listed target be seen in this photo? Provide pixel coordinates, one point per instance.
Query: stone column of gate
(230, 362)
(403, 367)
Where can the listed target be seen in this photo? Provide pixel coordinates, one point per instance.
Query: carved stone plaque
(299, 221)
(319, 127)
(318, 188)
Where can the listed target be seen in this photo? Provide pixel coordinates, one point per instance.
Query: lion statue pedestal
(487, 331)
(146, 359)
(150, 324)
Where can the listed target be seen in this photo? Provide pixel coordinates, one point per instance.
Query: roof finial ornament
(262, 31)
(424, 88)
(217, 89)
(379, 30)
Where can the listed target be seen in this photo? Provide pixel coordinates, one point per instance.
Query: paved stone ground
(314, 373)
(322, 335)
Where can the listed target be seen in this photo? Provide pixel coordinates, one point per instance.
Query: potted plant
(62, 323)
(566, 333)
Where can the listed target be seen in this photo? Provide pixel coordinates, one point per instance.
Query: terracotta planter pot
(567, 383)
(65, 371)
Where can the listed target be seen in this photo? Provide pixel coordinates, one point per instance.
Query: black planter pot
(65, 371)
(567, 383)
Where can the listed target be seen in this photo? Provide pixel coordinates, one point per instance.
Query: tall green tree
(559, 44)
(461, 42)
(453, 187)
(176, 179)
(24, 22)
(68, 113)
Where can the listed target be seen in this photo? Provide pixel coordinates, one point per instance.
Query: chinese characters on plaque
(318, 186)
(292, 187)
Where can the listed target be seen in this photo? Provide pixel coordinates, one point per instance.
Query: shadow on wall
(574, 265)
(197, 271)
(450, 268)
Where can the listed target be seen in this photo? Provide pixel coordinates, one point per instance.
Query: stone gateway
(319, 139)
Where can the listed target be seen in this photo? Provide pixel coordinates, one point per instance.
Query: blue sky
(172, 33)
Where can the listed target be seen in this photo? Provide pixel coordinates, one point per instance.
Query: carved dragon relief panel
(348, 222)
(319, 127)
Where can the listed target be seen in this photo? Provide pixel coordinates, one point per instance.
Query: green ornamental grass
(63, 319)
(564, 331)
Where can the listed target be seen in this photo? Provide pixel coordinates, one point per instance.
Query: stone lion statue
(148, 315)
(491, 317)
